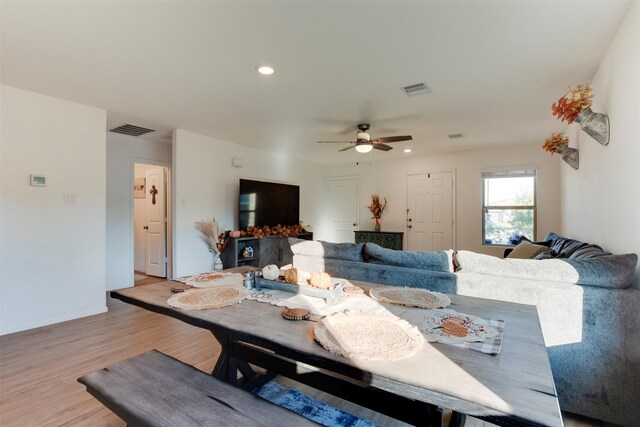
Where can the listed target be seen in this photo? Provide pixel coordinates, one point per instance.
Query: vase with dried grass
(377, 208)
(215, 240)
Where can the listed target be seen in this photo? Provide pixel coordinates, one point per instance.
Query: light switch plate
(38, 180)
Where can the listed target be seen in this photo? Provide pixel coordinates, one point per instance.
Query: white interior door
(430, 211)
(417, 212)
(342, 207)
(156, 249)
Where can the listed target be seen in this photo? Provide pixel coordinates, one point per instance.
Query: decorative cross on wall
(153, 193)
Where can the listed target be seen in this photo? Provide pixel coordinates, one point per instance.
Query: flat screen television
(268, 203)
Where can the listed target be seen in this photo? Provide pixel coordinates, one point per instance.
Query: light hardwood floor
(39, 368)
(147, 280)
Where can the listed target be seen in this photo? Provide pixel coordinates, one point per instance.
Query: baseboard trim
(52, 321)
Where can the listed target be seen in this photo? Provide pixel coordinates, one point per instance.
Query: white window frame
(529, 172)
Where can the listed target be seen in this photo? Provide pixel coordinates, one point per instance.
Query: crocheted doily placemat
(410, 297)
(214, 279)
(368, 335)
(204, 298)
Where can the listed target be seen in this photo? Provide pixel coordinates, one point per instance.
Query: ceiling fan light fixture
(363, 136)
(265, 70)
(364, 148)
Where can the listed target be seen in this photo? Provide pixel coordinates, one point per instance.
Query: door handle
(409, 226)
(146, 227)
(354, 224)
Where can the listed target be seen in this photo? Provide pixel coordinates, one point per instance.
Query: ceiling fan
(364, 143)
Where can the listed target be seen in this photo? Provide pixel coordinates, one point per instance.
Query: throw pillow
(526, 250)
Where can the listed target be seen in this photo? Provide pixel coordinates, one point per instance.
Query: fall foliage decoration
(217, 241)
(278, 230)
(555, 142)
(376, 207)
(573, 103)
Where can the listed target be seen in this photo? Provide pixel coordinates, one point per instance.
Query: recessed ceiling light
(265, 70)
(407, 150)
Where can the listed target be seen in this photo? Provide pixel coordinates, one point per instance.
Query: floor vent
(416, 89)
(455, 135)
(132, 130)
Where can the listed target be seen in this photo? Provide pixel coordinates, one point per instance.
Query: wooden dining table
(512, 388)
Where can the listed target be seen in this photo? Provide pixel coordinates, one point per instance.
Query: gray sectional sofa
(372, 263)
(590, 318)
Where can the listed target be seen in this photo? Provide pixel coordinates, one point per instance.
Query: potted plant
(559, 143)
(576, 106)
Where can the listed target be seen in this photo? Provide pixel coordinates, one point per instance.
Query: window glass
(508, 207)
(509, 191)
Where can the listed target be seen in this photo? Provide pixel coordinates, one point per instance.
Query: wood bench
(154, 389)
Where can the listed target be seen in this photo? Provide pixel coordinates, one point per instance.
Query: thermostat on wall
(38, 180)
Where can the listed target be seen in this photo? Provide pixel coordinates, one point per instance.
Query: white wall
(389, 179)
(122, 152)
(601, 200)
(52, 255)
(206, 185)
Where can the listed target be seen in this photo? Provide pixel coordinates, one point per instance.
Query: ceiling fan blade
(382, 147)
(335, 142)
(347, 148)
(386, 139)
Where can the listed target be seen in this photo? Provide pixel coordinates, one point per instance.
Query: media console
(266, 250)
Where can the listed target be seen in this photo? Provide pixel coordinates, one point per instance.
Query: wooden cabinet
(266, 250)
(386, 239)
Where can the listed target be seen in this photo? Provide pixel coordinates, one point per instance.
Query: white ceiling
(494, 67)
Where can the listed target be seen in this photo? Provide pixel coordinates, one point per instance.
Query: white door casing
(156, 250)
(430, 211)
(342, 203)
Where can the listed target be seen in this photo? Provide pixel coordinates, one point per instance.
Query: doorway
(150, 222)
(430, 224)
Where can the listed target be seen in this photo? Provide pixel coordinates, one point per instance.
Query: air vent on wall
(416, 89)
(455, 135)
(132, 130)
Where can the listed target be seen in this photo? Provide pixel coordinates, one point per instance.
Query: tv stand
(266, 250)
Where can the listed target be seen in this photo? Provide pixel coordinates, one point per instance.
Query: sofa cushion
(346, 251)
(527, 250)
(548, 270)
(609, 271)
(432, 261)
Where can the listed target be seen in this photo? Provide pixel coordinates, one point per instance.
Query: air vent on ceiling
(132, 130)
(455, 135)
(416, 89)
